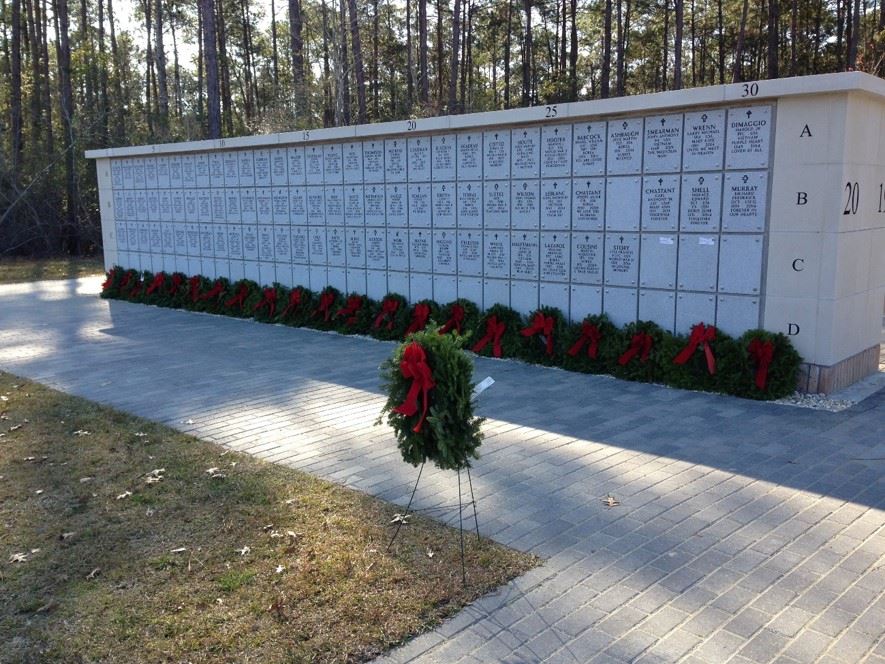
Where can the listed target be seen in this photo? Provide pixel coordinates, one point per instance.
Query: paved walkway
(747, 532)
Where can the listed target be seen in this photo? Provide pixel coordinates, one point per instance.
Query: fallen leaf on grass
(140, 434)
(82, 432)
(212, 470)
(94, 573)
(276, 534)
(244, 550)
(65, 536)
(217, 476)
(180, 549)
(123, 495)
(30, 458)
(293, 534)
(4, 398)
(187, 421)
(291, 501)
(267, 527)
(400, 518)
(153, 479)
(15, 427)
(430, 553)
(610, 501)
(51, 604)
(83, 480)
(39, 491)
(18, 558)
(280, 569)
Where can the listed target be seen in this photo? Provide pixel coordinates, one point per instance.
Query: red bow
(414, 366)
(176, 283)
(349, 310)
(591, 336)
(158, 281)
(761, 352)
(420, 314)
(216, 290)
(456, 320)
(239, 299)
(700, 335)
(389, 308)
(110, 279)
(127, 277)
(269, 300)
(136, 289)
(327, 299)
(640, 343)
(541, 324)
(195, 288)
(494, 331)
(295, 298)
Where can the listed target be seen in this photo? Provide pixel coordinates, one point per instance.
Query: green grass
(265, 564)
(14, 269)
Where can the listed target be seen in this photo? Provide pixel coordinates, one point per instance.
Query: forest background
(83, 74)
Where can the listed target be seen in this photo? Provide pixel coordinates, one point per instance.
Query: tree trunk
(149, 56)
(103, 76)
(424, 87)
(358, 71)
(121, 101)
(275, 55)
(160, 56)
(773, 21)
(344, 68)
(439, 55)
(224, 70)
(376, 82)
(37, 92)
(201, 65)
(855, 36)
(296, 43)
(410, 61)
(665, 61)
(619, 52)
(246, 51)
(210, 57)
(328, 107)
(606, 50)
(176, 72)
(737, 75)
(453, 65)
(527, 55)
(573, 54)
(15, 93)
(677, 46)
(508, 45)
(70, 235)
(720, 28)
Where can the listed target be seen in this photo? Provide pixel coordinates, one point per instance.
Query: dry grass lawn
(14, 270)
(124, 541)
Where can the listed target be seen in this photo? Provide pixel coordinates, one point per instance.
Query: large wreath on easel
(429, 385)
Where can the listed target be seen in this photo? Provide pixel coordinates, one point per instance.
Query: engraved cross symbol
(622, 239)
(749, 113)
(524, 133)
(660, 181)
(663, 122)
(524, 237)
(701, 180)
(554, 237)
(555, 185)
(496, 137)
(745, 178)
(624, 126)
(556, 130)
(704, 117)
(496, 236)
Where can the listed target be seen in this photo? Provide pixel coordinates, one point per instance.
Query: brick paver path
(747, 532)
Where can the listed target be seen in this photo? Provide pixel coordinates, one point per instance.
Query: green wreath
(240, 299)
(327, 302)
(354, 316)
(683, 360)
(771, 365)
(297, 308)
(429, 385)
(422, 314)
(459, 317)
(638, 352)
(542, 337)
(497, 334)
(390, 318)
(591, 345)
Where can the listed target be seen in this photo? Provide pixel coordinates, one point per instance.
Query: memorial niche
(744, 206)
(554, 257)
(588, 152)
(555, 204)
(704, 141)
(663, 144)
(444, 252)
(660, 202)
(470, 253)
(525, 152)
(496, 204)
(621, 259)
(420, 258)
(747, 143)
(587, 251)
(625, 146)
(419, 159)
(397, 250)
(496, 254)
(556, 151)
(524, 256)
(469, 156)
(470, 205)
(376, 249)
(524, 207)
(496, 155)
(701, 209)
